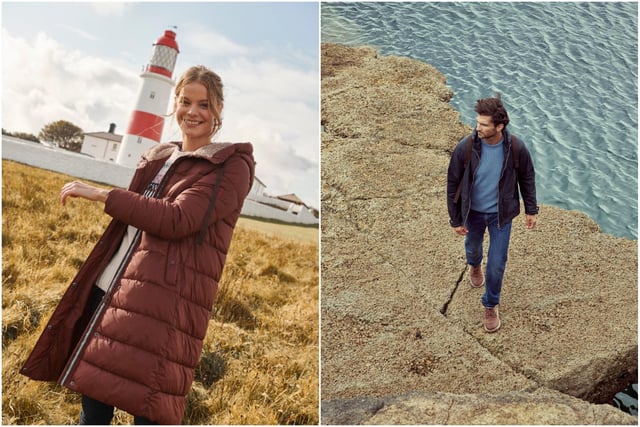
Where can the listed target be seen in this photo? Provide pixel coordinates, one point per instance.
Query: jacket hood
(216, 152)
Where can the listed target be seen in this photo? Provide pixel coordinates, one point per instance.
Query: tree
(21, 135)
(26, 136)
(65, 134)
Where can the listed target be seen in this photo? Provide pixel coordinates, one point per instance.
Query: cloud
(276, 107)
(81, 33)
(109, 8)
(207, 42)
(88, 91)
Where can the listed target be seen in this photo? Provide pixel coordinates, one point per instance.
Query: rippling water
(567, 73)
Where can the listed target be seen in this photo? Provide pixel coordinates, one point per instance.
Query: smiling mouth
(191, 122)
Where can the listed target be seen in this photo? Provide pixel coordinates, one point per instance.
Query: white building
(288, 208)
(102, 145)
(257, 188)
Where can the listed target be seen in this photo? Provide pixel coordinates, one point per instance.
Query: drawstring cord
(207, 216)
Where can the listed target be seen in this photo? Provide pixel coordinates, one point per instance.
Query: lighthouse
(147, 119)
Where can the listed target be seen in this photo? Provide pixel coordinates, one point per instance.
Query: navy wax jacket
(512, 181)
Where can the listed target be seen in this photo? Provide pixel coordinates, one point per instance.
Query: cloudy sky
(81, 62)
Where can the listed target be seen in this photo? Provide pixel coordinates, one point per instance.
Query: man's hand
(462, 230)
(531, 222)
(85, 191)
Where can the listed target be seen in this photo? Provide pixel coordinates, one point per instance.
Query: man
(482, 192)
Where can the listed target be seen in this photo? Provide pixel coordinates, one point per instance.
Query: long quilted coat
(140, 349)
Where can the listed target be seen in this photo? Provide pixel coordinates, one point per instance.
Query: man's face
(485, 127)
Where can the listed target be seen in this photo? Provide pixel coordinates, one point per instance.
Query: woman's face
(192, 112)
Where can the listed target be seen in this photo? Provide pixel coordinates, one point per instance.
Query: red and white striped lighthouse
(147, 119)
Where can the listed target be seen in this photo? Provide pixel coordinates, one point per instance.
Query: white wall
(109, 173)
(253, 208)
(64, 161)
(257, 189)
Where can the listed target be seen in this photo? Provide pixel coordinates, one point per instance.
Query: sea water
(568, 77)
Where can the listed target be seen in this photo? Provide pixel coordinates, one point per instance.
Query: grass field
(294, 232)
(260, 359)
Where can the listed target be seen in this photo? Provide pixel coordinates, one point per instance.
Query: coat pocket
(171, 267)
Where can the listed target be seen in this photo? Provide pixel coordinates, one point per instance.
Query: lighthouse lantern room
(147, 119)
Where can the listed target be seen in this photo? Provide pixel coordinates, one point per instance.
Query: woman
(128, 331)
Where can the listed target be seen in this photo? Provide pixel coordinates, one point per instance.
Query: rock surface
(398, 315)
(540, 407)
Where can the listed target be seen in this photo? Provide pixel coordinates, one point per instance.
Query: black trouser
(98, 413)
(95, 412)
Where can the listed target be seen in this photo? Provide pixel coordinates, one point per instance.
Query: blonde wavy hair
(213, 83)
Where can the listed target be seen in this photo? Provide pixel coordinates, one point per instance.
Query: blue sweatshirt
(484, 194)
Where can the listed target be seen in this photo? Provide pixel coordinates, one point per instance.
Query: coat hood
(216, 152)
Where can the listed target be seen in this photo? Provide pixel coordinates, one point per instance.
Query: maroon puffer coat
(140, 349)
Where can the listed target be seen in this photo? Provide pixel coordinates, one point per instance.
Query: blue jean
(477, 223)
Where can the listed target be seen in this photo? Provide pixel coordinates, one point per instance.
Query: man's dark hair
(493, 107)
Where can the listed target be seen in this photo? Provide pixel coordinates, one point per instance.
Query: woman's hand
(85, 191)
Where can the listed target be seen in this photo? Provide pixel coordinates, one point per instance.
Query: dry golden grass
(300, 233)
(260, 359)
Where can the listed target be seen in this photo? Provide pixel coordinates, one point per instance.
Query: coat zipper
(504, 168)
(99, 310)
(473, 180)
(125, 261)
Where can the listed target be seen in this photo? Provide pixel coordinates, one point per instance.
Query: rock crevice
(445, 306)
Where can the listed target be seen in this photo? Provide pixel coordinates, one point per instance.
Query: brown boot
(476, 277)
(491, 319)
